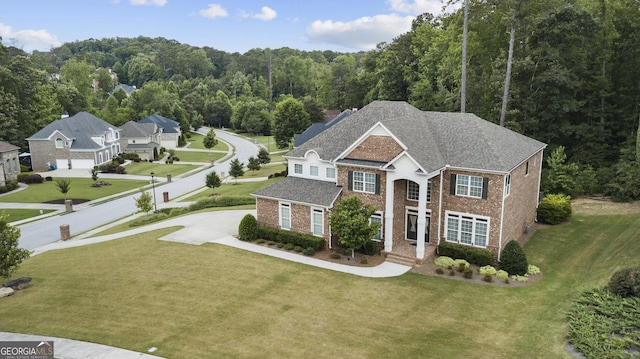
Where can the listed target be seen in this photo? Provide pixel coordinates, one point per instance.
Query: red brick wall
(376, 148)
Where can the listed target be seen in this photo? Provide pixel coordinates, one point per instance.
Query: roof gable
(7, 147)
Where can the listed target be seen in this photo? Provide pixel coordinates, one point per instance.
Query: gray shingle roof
(167, 125)
(316, 128)
(6, 147)
(79, 127)
(135, 129)
(302, 190)
(433, 139)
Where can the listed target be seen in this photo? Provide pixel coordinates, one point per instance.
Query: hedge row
(477, 256)
(297, 239)
(221, 201)
(9, 186)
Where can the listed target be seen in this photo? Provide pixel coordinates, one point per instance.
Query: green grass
(196, 142)
(193, 156)
(159, 169)
(268, 141)
(20, 214)
(215, 301)
(265, 171)
(80, 189)
(232, 189)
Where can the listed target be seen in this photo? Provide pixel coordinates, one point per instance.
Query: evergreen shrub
(554, 209)
(248, 228)
(513, 259)
(626, 282)
(477, 256)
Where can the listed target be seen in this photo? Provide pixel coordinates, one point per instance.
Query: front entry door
(412, 226)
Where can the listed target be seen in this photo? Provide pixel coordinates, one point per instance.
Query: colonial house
(9, 163)
(140, 138)
(433, 177)
(81, 141)
(170, 130)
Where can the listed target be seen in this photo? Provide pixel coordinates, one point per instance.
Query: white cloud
(361, 34)
(214, 11)
(29, 39)
(148, 2)
(416, 7)
(266, 14)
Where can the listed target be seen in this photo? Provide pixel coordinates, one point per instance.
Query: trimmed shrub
(370, 248)
(297, 249)
(221, 201)
(309, 252)
(297, 239)
(268, 233)
(33, 178)
(487, 270)
(487, 278)
(260, 241)
(439, 271)
(477, 256)
(513, 259)
(554, 209)
(335, 256)
(289, 246)
(248, 228)
(533, 270)
(502, 274)
(461, 264)
(468, 273)
(23, 176)
(444, 261)
(626, 282)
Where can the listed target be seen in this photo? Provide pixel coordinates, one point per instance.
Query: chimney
(64, 114)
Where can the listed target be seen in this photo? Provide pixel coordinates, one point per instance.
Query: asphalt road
(45, 231)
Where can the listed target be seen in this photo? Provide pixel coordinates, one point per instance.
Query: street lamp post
(153, 185)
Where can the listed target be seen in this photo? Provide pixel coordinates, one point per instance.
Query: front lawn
(159, 169)
(233, 189)
(198, 156)
(215, 301)
(19, 214)
(196, 142)
(80, 189)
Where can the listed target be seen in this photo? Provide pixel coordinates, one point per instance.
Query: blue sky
(228, 25)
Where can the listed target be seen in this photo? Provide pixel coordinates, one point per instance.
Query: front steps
(400, 259)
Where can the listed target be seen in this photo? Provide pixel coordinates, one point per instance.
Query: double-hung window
(297, 168)
(313, 170)
(331, 172)
(364, 182)
(377, 218)
(285, 216)
(467, 229)
(470, 186)
(317, 222)
(507, 185)
(59, 143)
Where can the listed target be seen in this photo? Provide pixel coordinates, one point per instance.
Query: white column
(388, 214)
(422, 213)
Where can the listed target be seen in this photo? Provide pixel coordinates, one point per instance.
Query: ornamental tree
(10, 255)
(350, 222)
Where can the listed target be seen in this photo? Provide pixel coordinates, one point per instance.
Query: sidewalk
(74, 349)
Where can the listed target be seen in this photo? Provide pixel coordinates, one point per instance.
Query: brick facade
(376, 148)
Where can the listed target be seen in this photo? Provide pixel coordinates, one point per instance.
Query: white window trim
(364, 182)
(330, 169)
(317, 170)
(475, 218)
(407, 210)
(280, 217)
(507, 185)
(380, 214)
(527, 169)
(313, 223)
(295, 168)
(418, 193)
(468, 186)
(59, 143)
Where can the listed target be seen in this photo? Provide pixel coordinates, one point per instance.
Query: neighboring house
(9, 162)
(433, 177)
(316, 128)
(170, 130)
(127, 88)
(140, 138)
(80, 141)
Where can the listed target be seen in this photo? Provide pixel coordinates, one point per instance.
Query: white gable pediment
(376, 130)
(58, 134)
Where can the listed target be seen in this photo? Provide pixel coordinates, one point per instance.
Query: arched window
(100, 160)
(59, 143)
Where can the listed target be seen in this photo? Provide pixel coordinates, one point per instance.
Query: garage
(82, 164)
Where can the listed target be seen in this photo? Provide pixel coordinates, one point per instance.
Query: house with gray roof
(170, 130)
(9, 162)
(80, 141)
(433, 177)
(140, 138)
(317, 128)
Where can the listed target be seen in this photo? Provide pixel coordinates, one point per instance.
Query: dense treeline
(574, 82)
